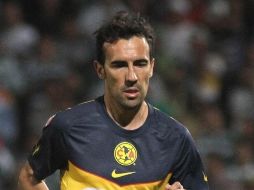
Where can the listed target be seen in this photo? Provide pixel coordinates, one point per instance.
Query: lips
(132, 92)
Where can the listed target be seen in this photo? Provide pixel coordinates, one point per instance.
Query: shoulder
(172, 131)
(74, 115)
(167, 125)
(78, 110)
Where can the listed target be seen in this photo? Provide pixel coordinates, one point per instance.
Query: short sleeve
(50, 153)
(189, 169)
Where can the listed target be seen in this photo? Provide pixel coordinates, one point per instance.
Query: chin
(132, 103)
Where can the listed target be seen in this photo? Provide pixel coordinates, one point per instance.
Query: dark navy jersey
(93, 152)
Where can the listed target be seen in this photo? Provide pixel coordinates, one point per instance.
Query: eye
(141, 63)
(119, 64)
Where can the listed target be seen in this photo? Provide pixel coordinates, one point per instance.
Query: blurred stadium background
(204, 75)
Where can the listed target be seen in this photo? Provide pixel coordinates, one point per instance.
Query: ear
(152, 67)
(99, 68)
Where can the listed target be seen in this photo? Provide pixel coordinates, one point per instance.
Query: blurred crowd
(204, 75)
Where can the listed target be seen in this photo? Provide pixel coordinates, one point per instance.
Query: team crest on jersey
(125, 153)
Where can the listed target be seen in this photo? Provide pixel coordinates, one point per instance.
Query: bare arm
(28, 182)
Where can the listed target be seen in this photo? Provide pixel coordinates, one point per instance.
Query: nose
(131, 76)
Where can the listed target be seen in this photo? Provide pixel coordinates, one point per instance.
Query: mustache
(131, 87)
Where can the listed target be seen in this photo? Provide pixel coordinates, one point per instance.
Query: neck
(130, 118)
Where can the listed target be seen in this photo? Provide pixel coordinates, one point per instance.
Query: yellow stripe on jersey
(77, 179)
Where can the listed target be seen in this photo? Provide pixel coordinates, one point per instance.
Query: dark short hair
(123, 25)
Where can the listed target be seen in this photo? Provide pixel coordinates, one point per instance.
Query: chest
(120, 159)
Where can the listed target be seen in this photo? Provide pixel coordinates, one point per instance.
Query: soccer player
(118, 140)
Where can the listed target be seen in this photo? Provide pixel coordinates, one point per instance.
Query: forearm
(29, 186)
(27, 181)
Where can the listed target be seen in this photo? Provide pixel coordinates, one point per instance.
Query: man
(117, 141)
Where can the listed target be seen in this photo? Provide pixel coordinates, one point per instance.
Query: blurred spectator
(18, 37)
(138, 6)
(46, 63)
(52, 97)
(241, 98)
(177, 31)
(217, 174)
(12, 74)
(48, 15)
(197, 11)
(93, 14)
(74, 47)
(206, 78)
(45, 71)
(213, 136)
(7, 167)
(9, 127)
(248, 185)
(247, 130)
(242, 169)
